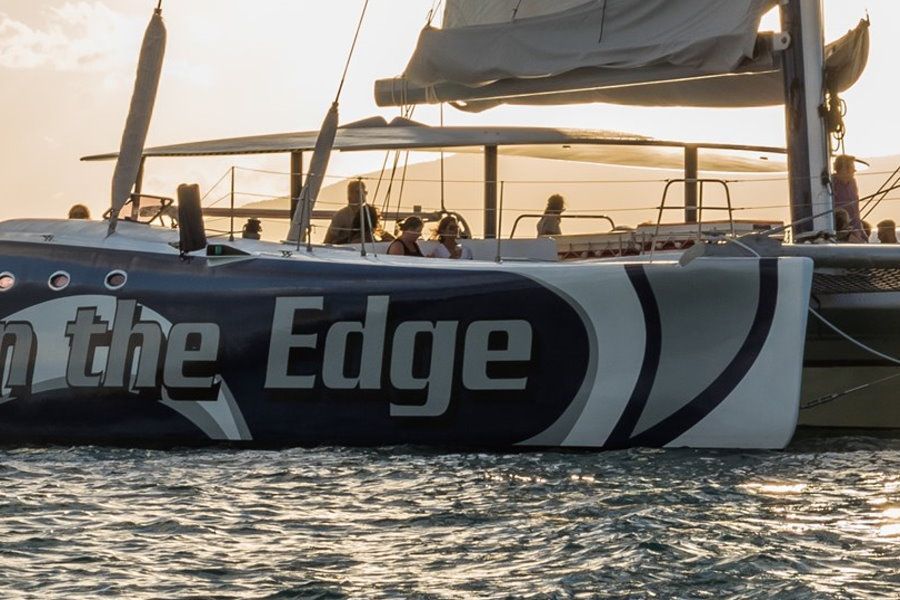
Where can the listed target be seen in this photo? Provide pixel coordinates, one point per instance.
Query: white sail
(465, 13)
(707, 36)
(758, 84)
(634, 52)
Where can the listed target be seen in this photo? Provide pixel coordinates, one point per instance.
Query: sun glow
(240, 71)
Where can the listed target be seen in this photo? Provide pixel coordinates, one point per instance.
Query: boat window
(59, 281)
(7, 281)
(116, 279)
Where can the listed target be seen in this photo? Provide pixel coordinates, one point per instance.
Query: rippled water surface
(821, 519)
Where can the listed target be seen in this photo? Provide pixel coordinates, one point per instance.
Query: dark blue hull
(278, 391)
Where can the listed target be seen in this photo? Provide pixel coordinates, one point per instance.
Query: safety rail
(512, 233)
(699, 207)
(164, 208)
(582, 239)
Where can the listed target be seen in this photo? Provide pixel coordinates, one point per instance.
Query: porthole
(59, 281)
(7, 281)
(115, 279)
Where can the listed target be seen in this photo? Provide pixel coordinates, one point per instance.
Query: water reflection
(821, 519)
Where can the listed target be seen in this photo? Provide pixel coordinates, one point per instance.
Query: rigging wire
(443, 207)
(215, 185)
(380, 176)
(602, 22)
(890, 184)
(836, 395)
(831, 397)
(434, 8)
(352, 49)
(407, 113)
(515, 11)
(403, 180)
(853, 340)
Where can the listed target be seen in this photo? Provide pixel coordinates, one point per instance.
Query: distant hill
(629, 195)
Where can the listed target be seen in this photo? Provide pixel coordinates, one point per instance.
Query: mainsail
(635, 52)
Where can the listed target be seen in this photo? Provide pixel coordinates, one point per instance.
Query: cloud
(79, 36)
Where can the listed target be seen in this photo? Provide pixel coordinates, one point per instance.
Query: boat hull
(844, 385)
(276, 349)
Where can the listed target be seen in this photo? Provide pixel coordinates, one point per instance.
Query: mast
(807, 138)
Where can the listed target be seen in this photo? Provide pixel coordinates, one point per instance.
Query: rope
(515, 11)
(434, 8)
(890, 184)
(443, 209)
(602, 22)
(403, 180)
(352, 49)
(407, 113)
(852, 340)
(215, 185)
(832, 397)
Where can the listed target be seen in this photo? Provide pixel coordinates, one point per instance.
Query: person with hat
(846, 195)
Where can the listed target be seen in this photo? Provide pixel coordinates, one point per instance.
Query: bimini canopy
(606, 147)
(705, 53)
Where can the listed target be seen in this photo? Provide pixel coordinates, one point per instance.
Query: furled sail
(310, 191)
(636, 52)
(139, 114)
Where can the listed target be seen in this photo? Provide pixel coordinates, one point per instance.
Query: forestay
(697, 53)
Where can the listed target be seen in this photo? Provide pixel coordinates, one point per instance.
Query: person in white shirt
(446, 234)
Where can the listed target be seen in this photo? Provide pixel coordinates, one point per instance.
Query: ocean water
(819, 520)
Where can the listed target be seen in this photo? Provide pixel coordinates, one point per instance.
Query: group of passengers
(360, 222)
(848, 224)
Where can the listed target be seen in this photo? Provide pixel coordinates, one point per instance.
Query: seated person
(79, 211)
(446, 234)
(887, 232)
(550, 222)
(842, 225)
(341, 228)
(366, 219)
(405, 244)
(844, 230)
(252, 229)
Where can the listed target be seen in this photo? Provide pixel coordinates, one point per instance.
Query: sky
(241, 68)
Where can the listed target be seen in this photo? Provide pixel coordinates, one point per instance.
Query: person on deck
(550, 222)
(368, 219)
(446, 234)
(405, 244)
(79, 211)
(846, 195)
(887, 232)
(340, 231)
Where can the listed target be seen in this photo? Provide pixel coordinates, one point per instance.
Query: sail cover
(704, 53)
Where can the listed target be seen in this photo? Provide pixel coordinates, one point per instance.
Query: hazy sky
(239, 68)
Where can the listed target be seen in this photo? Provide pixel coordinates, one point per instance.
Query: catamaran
(127, 333)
